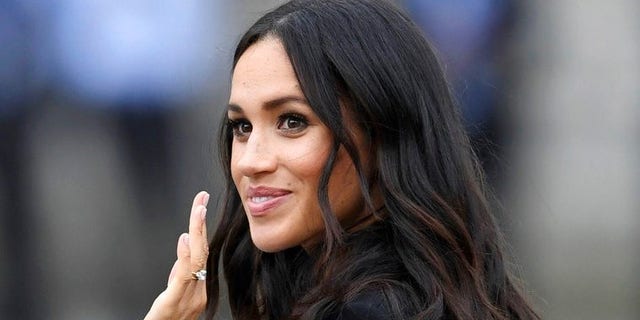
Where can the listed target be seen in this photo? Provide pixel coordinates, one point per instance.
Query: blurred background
(109, 109)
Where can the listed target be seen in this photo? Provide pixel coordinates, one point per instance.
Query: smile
(261, 200)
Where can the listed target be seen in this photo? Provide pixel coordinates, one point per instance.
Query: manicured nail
(205, 201)
(185, 239)
(203, 214)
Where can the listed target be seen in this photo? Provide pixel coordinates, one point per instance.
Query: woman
(352, 192)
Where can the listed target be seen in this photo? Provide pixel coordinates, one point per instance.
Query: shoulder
(370, 305)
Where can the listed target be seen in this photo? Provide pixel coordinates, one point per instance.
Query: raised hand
(185, 296)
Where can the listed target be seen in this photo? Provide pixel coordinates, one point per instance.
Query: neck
(365, 221)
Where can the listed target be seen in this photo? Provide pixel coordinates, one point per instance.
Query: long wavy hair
(435, 252)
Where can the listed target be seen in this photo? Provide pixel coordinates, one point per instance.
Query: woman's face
(279, 149)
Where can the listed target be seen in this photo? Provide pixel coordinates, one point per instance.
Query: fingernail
(203, 214)
(206, 200)
(185, 239)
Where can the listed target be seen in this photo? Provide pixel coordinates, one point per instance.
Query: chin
(268, 245)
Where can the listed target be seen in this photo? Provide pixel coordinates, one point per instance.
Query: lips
(262, 199)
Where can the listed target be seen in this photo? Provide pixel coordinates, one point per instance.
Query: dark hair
(436, 252)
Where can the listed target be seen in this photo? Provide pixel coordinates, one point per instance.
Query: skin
(279, 150)
(185, 298)
(281, 145)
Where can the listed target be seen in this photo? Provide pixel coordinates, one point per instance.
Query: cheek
(345, 194)
(305, 160)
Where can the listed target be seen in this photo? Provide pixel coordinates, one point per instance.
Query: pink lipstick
(262, 199)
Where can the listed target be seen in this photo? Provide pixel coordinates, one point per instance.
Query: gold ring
(199, 275)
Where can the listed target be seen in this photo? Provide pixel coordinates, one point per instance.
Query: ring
(199, 275)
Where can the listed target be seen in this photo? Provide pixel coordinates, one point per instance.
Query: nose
(255, 156)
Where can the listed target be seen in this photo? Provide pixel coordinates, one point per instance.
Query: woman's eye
(292, 122)
(240, 128)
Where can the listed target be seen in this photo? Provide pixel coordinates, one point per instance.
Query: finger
(179, 278)
(172, 274)
(182, 272)
(198, 233)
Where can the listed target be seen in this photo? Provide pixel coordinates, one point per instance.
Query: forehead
(263, 72)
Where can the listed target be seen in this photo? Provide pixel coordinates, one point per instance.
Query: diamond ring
(199, 275)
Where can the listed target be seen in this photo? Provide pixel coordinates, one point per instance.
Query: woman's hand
(185, 296)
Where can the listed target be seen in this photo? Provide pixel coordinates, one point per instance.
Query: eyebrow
(271, 104)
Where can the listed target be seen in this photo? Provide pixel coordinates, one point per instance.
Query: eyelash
(235, 125)
(282, 119)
